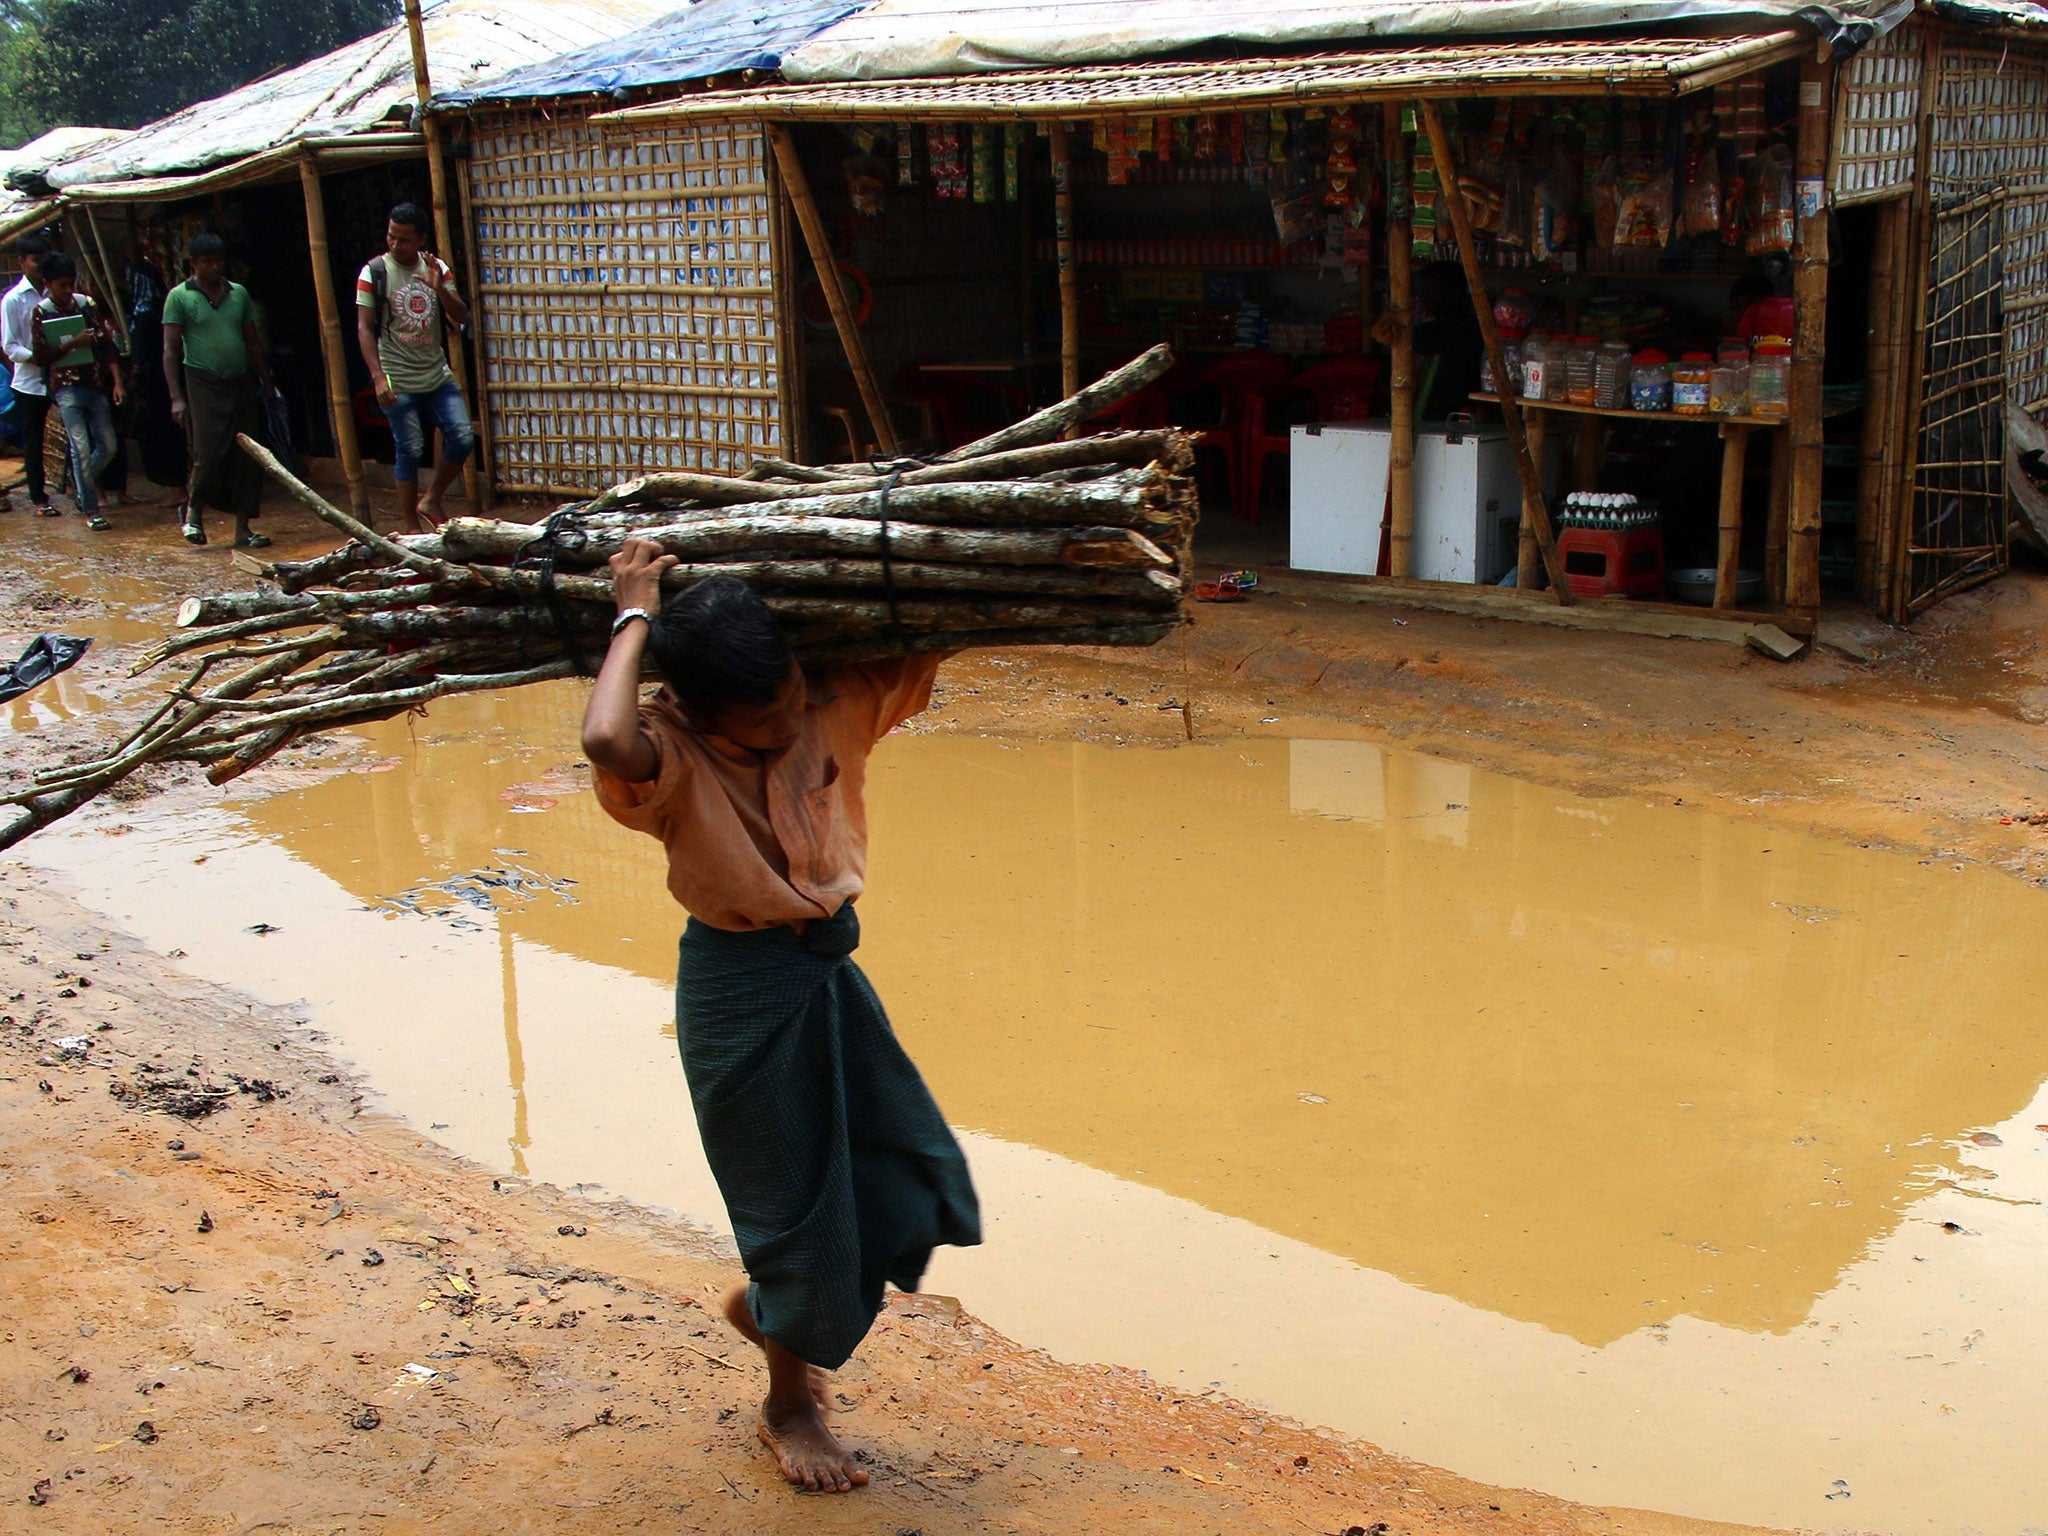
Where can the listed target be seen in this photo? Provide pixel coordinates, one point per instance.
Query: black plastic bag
(46, 656)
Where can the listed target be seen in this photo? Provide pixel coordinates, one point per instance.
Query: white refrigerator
(1468, 500)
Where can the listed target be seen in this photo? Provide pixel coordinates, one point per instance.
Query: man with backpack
(403, 298)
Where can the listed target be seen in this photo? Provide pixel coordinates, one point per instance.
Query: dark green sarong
(838, 1172)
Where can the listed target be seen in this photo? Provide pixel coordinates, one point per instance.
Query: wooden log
(477, 541)
(1810, 303)
(797, 188)
(1069, 272)
(1085, 404)
(1528, 558)
(1734, 449)
(1888, 315)
(1129, 498)
(232, 607)
(1535, 511)
(1108, 448)
(1779, 501)
(341, 410)
(1158, 589)
(334, 517)
(1401, 358)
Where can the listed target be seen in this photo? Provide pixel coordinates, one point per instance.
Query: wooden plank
(1734, 454)
(1773, 642)
(1401, 375)
(1564, 408)
(1612, 615)
(797, 188)
(1534, 509)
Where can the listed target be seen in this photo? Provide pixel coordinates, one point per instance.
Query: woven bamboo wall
(1989, 128)
(1877, 118)
(628, 315)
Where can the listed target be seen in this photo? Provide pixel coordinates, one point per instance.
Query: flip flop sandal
(97, 523)
(194, 534)
(254, 541)
(46, 510)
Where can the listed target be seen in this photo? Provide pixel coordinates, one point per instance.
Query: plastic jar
(1536, 359)
(1649, 385)
(1611, 367)
(1691, 384)
(1512, 312)
(1578, 373)
(1728, 394)
(1770, 377)
(1510, 354)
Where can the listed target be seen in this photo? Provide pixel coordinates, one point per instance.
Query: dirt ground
(235, 1302)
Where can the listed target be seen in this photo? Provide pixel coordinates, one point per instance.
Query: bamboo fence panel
(628, 318)
(1877, 118)
(1989, 128)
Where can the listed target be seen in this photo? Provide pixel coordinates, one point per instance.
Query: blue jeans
(89, 424)
(409, 433)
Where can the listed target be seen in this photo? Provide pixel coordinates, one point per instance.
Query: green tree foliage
(123, 63)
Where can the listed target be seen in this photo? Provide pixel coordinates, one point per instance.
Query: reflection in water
(1583, 1144)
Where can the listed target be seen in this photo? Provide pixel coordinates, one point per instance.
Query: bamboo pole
(1777, 531)
(339, 405)
(486, 455)
(1728, 562)
(114, 305)
(1885, 346)
(797, 188)
(1070, 277)
(1534, 511)
(1810, 300)
(1401, 373)
(1895, 565)
(1528, 558)
(444, 234)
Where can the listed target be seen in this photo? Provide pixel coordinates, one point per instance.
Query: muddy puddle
(1625, 1152)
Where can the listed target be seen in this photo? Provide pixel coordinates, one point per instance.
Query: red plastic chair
(1243, 386)
(1151, 407)
(1343, 388)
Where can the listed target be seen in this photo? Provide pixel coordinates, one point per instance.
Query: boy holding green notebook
(75, 346)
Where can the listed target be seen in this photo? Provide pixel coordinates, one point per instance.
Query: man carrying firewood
(836, 1167)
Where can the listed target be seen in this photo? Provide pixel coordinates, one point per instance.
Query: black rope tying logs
(559, 535)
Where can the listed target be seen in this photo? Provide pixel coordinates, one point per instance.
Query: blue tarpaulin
(712, 37)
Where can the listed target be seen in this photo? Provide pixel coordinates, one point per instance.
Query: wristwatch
(628, 615)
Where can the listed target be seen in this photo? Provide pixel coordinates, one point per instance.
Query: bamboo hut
(720, 241)
(298, 169)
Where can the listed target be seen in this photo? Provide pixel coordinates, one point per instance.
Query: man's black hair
(716, 643)
(56, 265)
(413, 214)
(206, 245)
(31, 245)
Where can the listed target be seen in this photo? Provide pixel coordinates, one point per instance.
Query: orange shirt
(764, 840)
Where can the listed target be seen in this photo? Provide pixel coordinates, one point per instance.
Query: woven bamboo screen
(628, 317)
(1989, 128)
(1877, 118)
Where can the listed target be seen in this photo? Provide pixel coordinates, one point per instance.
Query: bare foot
(810, 1456)
(431, 515)
(734, 1305)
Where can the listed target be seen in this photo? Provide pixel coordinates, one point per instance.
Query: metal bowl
(1695, 584)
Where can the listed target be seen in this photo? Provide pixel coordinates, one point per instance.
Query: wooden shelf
(1708, 420)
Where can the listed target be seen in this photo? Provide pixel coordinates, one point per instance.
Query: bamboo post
(1401, 373)
(1779, 501)
(444, 235)
(486, 432)
(1810, 300)
(1586, 454)
(1894, 564)
(1533, 508)
(1734, 453)
(113, 296)
(797, 188)
(1528, 558)
(1070, 277)
(340, 407)
(1884, 346)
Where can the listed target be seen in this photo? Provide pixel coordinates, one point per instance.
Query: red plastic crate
(1599, 563)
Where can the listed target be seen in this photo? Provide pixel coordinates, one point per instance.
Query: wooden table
(1735, 432)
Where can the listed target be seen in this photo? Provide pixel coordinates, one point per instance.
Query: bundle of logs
(1027, 537)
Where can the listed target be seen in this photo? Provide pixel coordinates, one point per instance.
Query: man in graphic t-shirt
(402, 298)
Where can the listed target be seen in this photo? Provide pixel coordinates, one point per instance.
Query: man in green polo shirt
(213, 363)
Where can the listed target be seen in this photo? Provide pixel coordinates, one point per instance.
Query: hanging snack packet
(1773, 226)
(906, 155)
